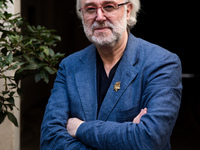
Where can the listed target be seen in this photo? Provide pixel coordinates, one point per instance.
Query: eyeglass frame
(83, 8)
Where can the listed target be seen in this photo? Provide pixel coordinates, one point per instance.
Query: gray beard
(102, 40)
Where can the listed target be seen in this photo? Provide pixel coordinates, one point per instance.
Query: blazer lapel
(86, 84)
(126, 73)
(112, 97)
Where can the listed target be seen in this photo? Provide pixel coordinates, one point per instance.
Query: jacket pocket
(129, 114)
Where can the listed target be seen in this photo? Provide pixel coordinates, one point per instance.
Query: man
(120, 93)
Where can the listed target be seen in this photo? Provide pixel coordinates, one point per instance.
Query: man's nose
(100, 15)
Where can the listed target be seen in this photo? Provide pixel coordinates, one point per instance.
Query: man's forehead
(99, 1)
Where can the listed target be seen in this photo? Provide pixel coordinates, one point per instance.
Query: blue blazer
(150, 78)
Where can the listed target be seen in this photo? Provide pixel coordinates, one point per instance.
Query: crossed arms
(74, 123)
(149, 131)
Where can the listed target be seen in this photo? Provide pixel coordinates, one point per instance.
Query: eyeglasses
(90, 10)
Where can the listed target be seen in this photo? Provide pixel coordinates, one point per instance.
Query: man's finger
(138, 117)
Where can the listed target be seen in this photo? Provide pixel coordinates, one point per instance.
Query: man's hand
(138, 117)
(72, 126)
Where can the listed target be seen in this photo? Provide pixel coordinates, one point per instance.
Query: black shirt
(103, 82)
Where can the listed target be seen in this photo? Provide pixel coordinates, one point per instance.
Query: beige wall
(9, 134)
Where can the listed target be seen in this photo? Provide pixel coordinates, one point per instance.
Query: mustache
(102, 25)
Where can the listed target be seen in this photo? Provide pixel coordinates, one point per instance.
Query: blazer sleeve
(161, 95)
(54, 135)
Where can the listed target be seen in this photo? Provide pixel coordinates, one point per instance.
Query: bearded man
(120, 93)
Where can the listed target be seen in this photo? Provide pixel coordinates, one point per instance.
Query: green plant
(25, 53)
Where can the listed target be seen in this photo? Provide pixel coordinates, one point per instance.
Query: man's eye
(109, 8)
(90, 9)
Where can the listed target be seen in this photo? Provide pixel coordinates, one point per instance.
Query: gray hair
(133, 16)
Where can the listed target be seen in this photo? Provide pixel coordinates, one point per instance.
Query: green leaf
(31, 66)
(10, 58)
(4, 35)
(1, 105)
(19, 91)
(1, 98)
(20, 63)
(13, 86)
(38, 77)
(58, 55)
(45, 76)
(4, 51)
(45, 50)
(10, 106)
(18, 75)
(2, 116)
(57, 38)
(9, 48)
(41, 55)
(30, 28)
(28, 59)
(13, 67)
(51, 52)
(46, 79)
(39, 27)
(29, 43)
(5, 92)
(11, 93)
(11, 1)
(19, 23)
(50, 70)
(7, 15)
(12, 118)
(11, 100)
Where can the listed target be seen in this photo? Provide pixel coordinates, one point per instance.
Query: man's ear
(129, 9)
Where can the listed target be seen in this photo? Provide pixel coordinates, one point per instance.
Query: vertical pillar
(10, 135)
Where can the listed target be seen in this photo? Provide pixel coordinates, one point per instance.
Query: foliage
(30, 52)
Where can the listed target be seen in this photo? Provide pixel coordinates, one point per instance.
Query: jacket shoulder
(77, 58)
(154, 53)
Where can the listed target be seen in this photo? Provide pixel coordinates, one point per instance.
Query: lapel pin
(117, 86)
